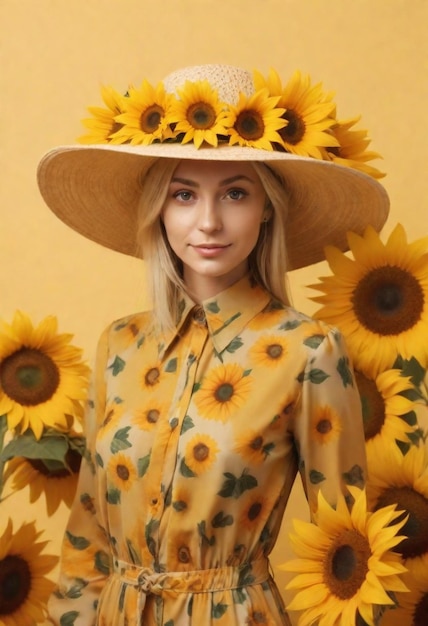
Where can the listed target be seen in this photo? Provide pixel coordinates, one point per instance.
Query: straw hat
(218, 113)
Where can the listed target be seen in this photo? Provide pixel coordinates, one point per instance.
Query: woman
(206, 407)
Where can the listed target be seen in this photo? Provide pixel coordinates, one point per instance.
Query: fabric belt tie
(148, 581)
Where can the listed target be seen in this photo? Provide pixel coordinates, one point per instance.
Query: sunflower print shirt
(194, 440)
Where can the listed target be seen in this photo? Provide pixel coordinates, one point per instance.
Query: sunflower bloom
(198, 114)
(255, 121)
(145, 115)
(383, 407)
(352, 150)
(412, 609)
(402, 479)
(103, 124)
(269, 350)
(122, 471)
(346, 565)
(379, 299)
(201, 452)
(224, 390)
(326, 425)
(42, 378)
(308, 113)
(24, 588)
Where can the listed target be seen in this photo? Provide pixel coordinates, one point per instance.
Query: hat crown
(229, 81)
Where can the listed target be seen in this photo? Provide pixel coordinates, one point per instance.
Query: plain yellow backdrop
(55, 55)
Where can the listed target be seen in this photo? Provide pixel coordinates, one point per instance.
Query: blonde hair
(267, 261)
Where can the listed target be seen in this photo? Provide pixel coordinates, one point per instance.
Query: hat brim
(95, 190)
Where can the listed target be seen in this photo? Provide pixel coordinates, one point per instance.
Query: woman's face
(212, 217)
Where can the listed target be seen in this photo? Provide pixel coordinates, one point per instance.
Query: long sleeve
(328, 423)
(84, 563)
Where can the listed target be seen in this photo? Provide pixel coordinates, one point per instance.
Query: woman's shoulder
(129, 329)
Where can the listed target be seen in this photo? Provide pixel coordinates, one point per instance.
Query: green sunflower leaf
(234, 345)
(185, 470)
(316, 477)
(213, 307)
(69, 618)
(143, 464)
(187, 424)
(345, 372)
(113, 496)
(120, 440)
(218, 610)
(117, 366)
(315, 376)
(234, 487)
(78, 543)
(221, 520)
(101, 562)
(314, 341)
(171, 366)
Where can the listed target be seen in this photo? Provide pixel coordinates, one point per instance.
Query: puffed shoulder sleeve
(328, 427)
(84, 563)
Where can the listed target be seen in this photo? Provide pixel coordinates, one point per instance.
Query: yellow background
(55, 55)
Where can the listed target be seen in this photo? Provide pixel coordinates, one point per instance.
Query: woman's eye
(236, 194)
(183, 196)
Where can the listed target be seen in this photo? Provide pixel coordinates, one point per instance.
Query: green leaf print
(141, 341)
(102, 562)
(187, 424)
(133, 553)
(79, 543)
(185, 470)
(345, 371)
(99, 460)
(221, 520)
(234, 487)
(316, 477)
(213, 307)
(170, 622)
(290, 325)
(218, 610)
(75, 591)
(234, 345)
(355, 476)
(69, 618)
(117, 366)
(209, 541)
(120, 440)
(113, 496)
(171, 366)
(142, 465)
(314, 341)
(315, 376)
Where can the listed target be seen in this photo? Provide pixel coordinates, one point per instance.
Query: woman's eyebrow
(226, 181)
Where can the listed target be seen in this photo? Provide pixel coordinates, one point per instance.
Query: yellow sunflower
(383, 405)
(325, 424)
(224, 390)
(151, 376)
(201, 452)
(56, 485)
(253, 447)
(269, 350)
(255, 510)
(102, 125)
(352, 150)
(346, 565)
(308, 113)
(122, 471)
(198, 113)
(402, 479)
(148, 416)
(379, 299)
(42, 377)
(255, 121)
(145, 116)
(412, 609)
(24, 588)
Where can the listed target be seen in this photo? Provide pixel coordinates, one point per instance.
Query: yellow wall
(55, 54)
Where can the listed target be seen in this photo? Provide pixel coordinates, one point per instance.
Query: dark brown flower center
(345, 566)
(151, 118)
(249, 125)
(201, 115)
(324, 426)
(274, 351)
(122, 471)
(152, 416)
(29, 377)
(224, 392)
(295, 130)
(415, 505)
(201, 452)
(254, 511)
(152, 376)
(388, 300)
(257, 443)
(373, 406)
(15, 584)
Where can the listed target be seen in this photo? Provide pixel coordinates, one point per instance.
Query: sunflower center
(373, 406)
(388, 300)
(152, 416)
(201, 452)
(324, 426)
(29, 376)
(413, 504)
(224, 392)
(122, 471)
(254, 511)
(274, 351)
(249, 125)
(152, 376)
(15, 584)
(295, 130)
(201, 115)
(257, 443)
(345, 566)
(420, 614)
(151, 118)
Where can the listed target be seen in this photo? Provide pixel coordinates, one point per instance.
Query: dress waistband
(148, 581)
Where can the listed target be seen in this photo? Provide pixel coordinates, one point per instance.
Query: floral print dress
(194, 440)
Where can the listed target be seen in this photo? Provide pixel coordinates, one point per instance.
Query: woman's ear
(267, 211)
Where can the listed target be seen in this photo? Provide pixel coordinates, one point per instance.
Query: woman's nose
(209, 216)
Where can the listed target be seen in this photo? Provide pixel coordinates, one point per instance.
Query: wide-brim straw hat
(95, 189)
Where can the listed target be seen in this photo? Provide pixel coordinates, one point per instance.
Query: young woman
(206, 407)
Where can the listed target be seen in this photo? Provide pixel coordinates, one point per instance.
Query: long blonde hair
(267, 261)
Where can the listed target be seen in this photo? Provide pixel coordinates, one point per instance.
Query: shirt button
(154, 501)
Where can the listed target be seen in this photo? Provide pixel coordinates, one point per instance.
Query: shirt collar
(226, 314)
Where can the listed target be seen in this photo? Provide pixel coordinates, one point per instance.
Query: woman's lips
(210, 249)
